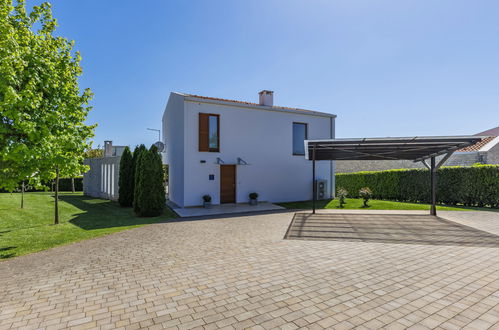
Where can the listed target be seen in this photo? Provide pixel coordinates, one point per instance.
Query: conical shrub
(138, 170)
(151, 193)
(125, 182)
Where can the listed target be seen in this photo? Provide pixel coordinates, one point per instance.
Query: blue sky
(386, 68)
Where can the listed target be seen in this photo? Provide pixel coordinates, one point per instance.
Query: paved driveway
(239, 272)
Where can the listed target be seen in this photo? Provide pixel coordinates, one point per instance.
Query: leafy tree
(42, 111)
(126, 179)
(94, 153)
(138, 154)
(151, 193)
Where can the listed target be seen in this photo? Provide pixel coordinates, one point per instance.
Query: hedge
(477, 185)
(64, 185)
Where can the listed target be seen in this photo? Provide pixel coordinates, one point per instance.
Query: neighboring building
(483, 152)
(228, 149)
(102, 179)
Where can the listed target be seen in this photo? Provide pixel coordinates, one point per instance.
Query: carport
(417, 149)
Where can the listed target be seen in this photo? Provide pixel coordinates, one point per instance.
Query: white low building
(228, 149)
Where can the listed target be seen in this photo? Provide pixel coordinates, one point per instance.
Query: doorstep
(225, 209)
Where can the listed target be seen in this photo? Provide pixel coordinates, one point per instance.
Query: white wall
(173, 137)
(262, 138)
(103, 177)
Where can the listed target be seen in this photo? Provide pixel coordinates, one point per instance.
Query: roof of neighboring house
(479, 145)
(490, 132)
(312, 112)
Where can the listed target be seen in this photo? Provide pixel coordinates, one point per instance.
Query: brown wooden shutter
(203, 132)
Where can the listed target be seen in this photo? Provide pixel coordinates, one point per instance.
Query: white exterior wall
(173, 137)
(262, 138)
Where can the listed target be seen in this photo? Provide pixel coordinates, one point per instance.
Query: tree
(94, 153)
(151, 190)
(138, 154)
(43, 134)
(126, 179)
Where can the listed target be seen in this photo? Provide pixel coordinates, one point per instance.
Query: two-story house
(228, 149)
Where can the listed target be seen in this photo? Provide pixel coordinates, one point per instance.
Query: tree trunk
(56, 213)
(73, 184)
(22, 195)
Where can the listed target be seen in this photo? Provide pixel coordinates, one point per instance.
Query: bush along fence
(64, 185)
(477, 185)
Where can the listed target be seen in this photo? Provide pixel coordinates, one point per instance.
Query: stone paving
(387, 228)
(239, 272)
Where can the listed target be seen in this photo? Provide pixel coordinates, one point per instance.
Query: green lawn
(31, 229)
(353, 203)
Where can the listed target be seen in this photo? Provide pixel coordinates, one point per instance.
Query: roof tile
(477, 146)
(251, 103)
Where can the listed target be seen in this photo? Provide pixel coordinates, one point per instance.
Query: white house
(228, 149)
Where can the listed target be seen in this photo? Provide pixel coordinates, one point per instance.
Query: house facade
(228, 149)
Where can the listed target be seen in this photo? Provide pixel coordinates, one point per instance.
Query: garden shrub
(126, 183)
(366, 194)
(150, 196)
(342, 194)
(477, 185)
(64, 185)
(138, 154)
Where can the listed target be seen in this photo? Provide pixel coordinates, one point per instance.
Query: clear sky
(385, 67)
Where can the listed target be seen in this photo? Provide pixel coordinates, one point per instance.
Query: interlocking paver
(239, 272)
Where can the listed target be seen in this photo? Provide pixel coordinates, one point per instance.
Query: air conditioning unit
(321, 191)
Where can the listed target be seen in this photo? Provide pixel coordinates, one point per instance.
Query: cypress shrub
(151, 199)
(126, 184)
(477, 185)
(138, 154)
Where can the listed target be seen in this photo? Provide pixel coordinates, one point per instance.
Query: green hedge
(64, 185)
(477, 185)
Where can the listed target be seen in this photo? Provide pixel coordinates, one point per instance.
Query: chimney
(108, 148)
(266, 98)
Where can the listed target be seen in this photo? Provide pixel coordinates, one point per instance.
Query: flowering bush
(366, 194)
(342, 194)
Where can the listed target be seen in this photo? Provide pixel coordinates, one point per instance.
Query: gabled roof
(490, 132)
(194, 97)
(479, 145)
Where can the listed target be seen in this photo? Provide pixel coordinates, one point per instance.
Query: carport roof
(415, 148)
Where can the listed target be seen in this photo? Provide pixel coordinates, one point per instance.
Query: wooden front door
(227, 183)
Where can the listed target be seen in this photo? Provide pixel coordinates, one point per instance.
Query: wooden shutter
(203, 132)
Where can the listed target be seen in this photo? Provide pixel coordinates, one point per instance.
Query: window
(209, 132)
(300, 134)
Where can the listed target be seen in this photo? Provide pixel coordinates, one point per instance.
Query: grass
(31, 229)
(357, 203)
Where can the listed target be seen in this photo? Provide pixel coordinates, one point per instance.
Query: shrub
(253, 195)
(64, 185)
(342, 193)
(150, 186)
(138, 154)
(477, 185)
(207, 198)
(126, 184)
(366, 194)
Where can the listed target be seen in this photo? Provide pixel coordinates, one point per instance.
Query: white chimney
(266, 98)
(108, 148)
